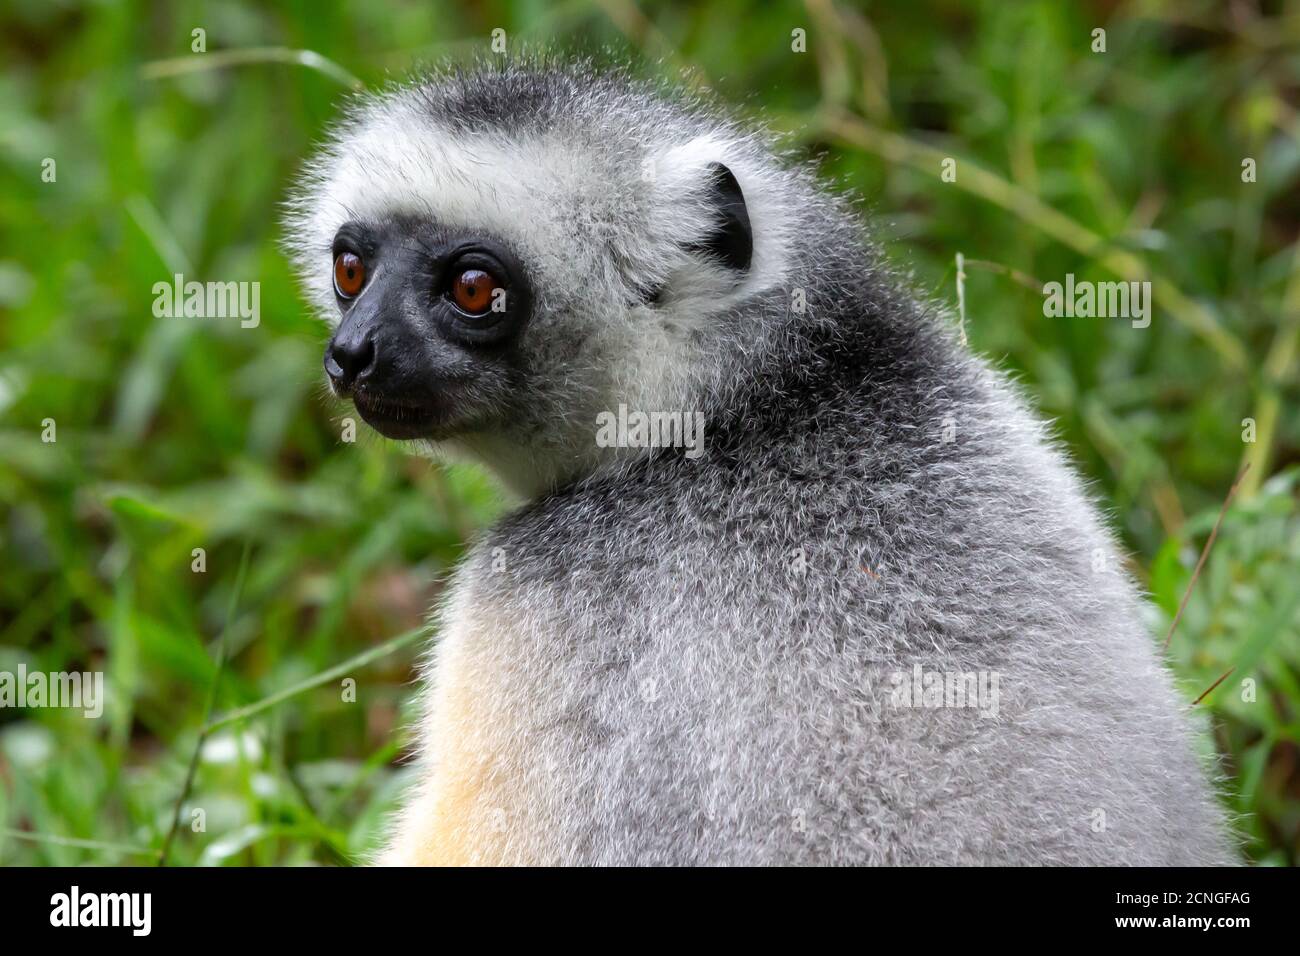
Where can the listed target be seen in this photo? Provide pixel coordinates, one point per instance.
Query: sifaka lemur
(867, 615)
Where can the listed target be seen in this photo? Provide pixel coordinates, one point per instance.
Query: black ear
(731, 242)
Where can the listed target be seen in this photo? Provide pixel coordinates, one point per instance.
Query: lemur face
(429, 316)
(504, 255)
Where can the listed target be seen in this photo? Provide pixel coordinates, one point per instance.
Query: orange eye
(349, 274)
(472, 291)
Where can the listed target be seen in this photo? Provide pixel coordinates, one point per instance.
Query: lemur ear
(731, 241)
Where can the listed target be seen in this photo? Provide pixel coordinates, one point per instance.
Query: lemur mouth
(396, 418)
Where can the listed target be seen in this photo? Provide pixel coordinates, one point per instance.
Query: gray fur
(683, 661)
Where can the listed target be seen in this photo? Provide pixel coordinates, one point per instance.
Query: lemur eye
(349, 274)
(473, 291)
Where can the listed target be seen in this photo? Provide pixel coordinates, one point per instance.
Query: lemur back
(876, 620)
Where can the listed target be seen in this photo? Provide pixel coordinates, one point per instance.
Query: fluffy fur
(659, 660)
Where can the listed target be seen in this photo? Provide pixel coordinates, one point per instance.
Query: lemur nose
(348, 360)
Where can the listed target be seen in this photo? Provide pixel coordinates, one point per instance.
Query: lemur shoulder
(672, 658)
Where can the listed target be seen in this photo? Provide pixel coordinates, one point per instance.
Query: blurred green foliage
(176, 434)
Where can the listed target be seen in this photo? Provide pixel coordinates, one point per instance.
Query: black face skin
(417, 361)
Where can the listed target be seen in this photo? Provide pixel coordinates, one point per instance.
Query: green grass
(181, 434)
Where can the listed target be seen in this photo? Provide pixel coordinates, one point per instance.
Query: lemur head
(504, 253)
